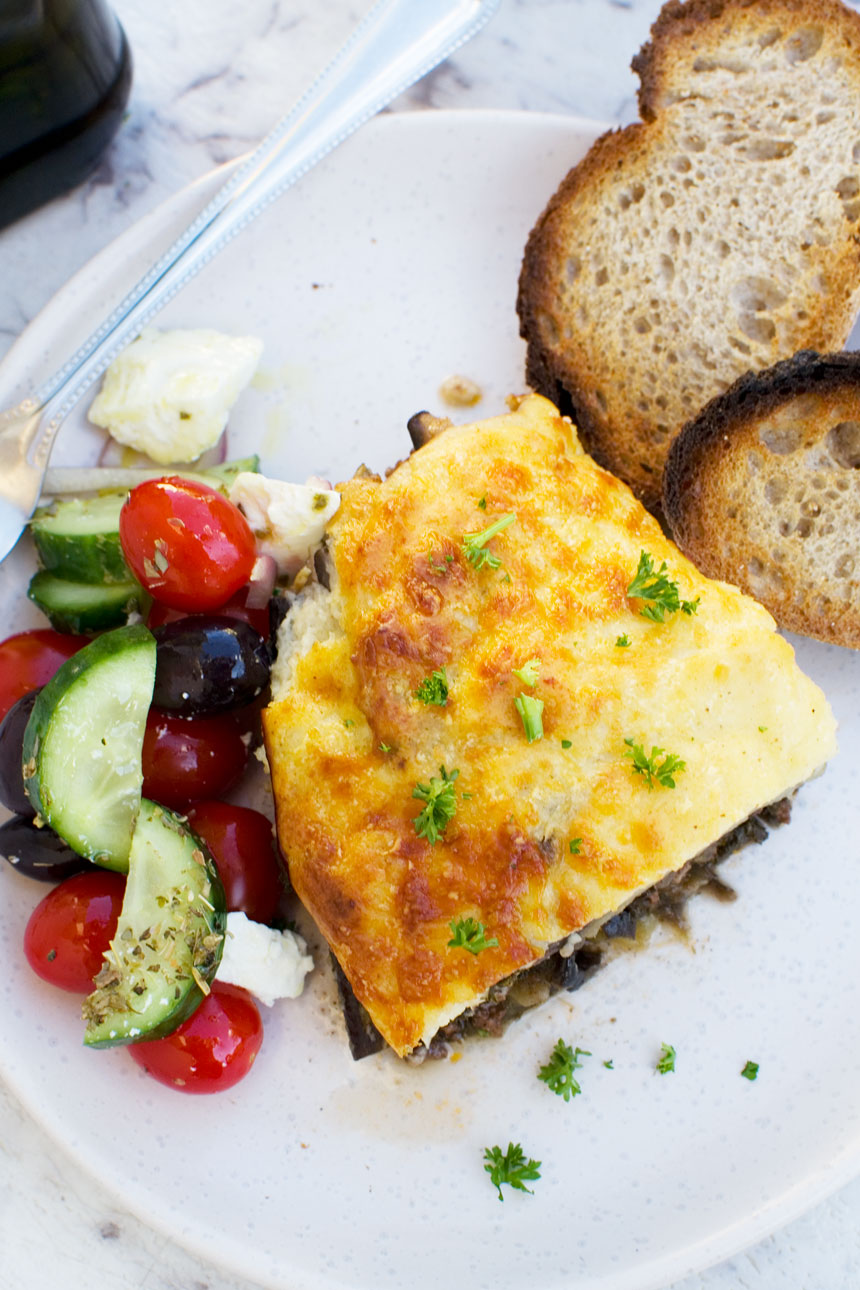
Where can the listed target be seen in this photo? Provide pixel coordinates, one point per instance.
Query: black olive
(279, 607)
(38, 853)
(207, 664)
(12, 728)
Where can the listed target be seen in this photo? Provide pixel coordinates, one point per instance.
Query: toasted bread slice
(717, 235)
(762, 489)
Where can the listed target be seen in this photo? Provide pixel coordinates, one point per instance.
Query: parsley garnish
(610, 1065)
(475, 544)
(385, 747)
(528, 673)
(434, 689)
(566, 743)
(482, 503)
(623, 641)
(441, 805)
(558, 1072)
(653, 585)
(750, 1071)
(666, 1064)
(654, 771)
(467, 934)
(530, 710)
(348, 722)
(575, 846)
(511, 1168)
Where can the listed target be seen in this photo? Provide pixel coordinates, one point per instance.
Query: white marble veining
(210, 77)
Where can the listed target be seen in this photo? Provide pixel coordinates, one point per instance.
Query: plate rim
(661, 1268)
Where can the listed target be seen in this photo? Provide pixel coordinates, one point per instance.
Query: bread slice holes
(601, 278)
(694, 143)
(844, 566)
(666, 270)
(739, 346)
(572, 268)
(775, 490)
(673, 237)
(667, 200)
(780, 440)
(855, 152)
(803, 45)
(642, 326)
(822, 118)
(600, 400)
(843, 443)
(768, 38)
(757, 295)
(848, 187)
(768, 149)
(757, 328)
(852, 210)
(803, 528)
(755, 461)
(737, 66)
(811, 509)
(681, 164)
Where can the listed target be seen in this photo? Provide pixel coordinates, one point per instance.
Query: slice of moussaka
(506, 713)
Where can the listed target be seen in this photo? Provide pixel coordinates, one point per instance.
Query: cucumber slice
(78, 538)
(82, 607)
(169, 938)
(83, 744)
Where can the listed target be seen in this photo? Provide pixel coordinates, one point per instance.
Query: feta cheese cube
(269, 964)
(169, 393)
(288, 520)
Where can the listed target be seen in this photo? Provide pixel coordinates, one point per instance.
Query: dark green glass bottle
(65, 74)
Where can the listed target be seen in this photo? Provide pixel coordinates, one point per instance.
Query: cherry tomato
(69, 931)
(243, 846)
(187, 758)
(212, 1050)
(234, 608)
(30, 659)
(188, 545)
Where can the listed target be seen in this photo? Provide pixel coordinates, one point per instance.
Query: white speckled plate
(389, 269)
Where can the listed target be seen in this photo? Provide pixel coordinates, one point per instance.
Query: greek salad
(128, 721)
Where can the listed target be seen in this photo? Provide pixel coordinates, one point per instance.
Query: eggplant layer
(567, 965)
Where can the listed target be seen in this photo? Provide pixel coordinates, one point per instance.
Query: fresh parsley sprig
(528, 673)
(651, 768)
(468, 934)
(475, 544)
(666, 1063)
(434, 689)
(510, 1168)
(660, 591)
(750, 1071)
(441, 807)
(557, 1074)
(531, 715)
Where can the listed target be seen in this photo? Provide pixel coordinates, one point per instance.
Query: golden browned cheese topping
(348, 739)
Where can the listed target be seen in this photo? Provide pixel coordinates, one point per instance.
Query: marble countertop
(210, 78)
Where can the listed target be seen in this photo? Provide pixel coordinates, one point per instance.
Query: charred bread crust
(622, 390)
(680, 21)
(730, 426)
(558, 379)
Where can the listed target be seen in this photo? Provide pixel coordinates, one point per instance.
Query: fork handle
(397, 43)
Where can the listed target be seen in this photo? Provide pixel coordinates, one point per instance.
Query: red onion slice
(261, 584)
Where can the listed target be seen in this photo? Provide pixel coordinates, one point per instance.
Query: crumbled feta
(168, 394)
(271, 965)
(288, 519)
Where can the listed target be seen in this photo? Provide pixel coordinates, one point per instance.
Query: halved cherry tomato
(188, 545)
(30, 659)
(187, 758)
(234, 608)
(212, 1050)
(243, 847)
(69, 931)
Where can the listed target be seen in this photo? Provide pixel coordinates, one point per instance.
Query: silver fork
(397, 43)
